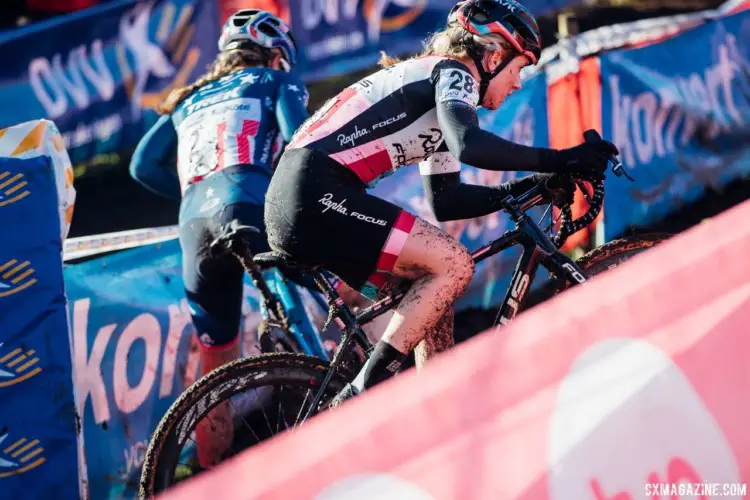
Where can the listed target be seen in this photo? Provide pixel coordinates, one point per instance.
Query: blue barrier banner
(134, 353)
(99, 73)
(679, 111)
(339, 36)
(38, 435)
(521, 119)
(132, 357)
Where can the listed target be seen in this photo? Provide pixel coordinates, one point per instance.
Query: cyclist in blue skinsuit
(225, 133)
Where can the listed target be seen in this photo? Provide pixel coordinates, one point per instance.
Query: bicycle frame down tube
(562, 265)
(518, 290)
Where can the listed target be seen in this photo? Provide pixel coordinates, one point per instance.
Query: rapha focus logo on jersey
(338, 206)
(329, 204)
(389, 121)
(350, 138)
(430, 140)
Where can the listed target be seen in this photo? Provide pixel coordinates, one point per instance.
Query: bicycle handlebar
(568, 226)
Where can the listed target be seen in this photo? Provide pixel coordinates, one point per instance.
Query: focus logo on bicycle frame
(517, 290)
(580, 278)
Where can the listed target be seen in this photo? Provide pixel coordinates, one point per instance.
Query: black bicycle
(290, 388)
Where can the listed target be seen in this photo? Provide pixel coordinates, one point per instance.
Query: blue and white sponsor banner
(521, 119)
(38, 422)
(134, 352)
(339, 36)
(99, 73)
(679, 111)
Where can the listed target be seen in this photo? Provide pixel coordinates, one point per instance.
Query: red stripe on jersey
(249, 129)
(371, 167)
(345, 95)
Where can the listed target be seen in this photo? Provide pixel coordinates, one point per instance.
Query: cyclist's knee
(429, 251)
(461, 268)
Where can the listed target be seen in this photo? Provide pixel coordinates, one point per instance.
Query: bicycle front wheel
(615, 253)
(269, 394)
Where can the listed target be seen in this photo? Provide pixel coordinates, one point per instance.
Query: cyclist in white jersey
(422, 110)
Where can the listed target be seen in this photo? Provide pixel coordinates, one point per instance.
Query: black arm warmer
(485, 150)
(452, 200)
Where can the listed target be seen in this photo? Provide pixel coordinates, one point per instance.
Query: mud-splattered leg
(441, 269)
(445, 267)
(438, 340)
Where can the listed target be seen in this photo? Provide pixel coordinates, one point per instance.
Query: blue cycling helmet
(249, 27)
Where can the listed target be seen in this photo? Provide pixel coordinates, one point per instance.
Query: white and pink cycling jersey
(388, 119)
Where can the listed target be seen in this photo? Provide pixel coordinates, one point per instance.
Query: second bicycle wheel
(268, 393)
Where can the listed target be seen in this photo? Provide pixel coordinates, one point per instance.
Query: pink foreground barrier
(633, 386)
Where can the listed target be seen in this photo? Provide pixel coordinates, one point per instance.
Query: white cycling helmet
(257, 27)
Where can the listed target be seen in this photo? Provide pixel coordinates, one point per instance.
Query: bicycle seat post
(338, 310)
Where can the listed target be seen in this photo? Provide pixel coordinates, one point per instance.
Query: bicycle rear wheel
(284, 385)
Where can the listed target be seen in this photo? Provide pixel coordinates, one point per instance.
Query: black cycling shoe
(348, 392)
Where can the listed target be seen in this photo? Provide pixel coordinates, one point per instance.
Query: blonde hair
(454, 42)
(224, 64)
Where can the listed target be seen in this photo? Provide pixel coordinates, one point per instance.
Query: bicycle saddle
(280, 260)
(231, 233)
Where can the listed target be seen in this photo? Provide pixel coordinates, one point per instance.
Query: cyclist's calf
(441, 269)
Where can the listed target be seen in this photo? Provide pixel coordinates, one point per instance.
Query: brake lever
(619, 169)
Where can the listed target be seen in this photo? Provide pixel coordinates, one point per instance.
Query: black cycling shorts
(213, 285)
(319, 212)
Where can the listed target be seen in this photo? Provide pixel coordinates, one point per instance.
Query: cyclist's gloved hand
(557, 189)
(588, 158)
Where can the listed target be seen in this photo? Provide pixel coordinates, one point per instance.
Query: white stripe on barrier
(85, 246)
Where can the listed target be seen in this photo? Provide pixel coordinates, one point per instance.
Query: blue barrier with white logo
(132, 345)
(134, 353)
(38, 436)
(339, 36)
(99, 73)
(679, 111)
